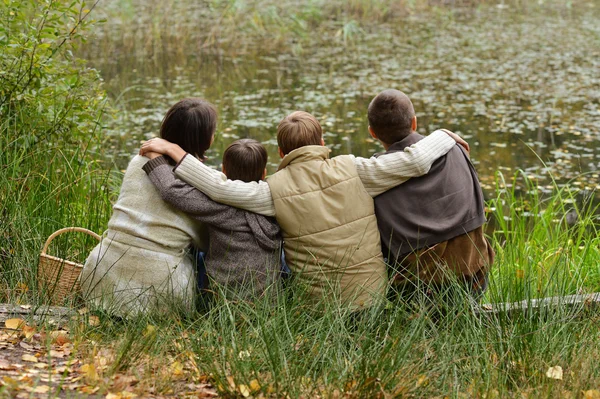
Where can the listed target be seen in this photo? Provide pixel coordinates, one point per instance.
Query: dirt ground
(44, 362)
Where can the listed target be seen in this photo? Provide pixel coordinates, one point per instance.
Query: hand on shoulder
(459, 140)
(162, 147)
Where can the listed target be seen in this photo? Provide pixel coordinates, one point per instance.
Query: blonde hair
(298, 129)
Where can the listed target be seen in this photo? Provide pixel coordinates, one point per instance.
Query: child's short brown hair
(390, 116)
(245, 160)
(298, 129)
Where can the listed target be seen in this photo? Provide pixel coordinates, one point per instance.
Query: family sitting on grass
(347, 228)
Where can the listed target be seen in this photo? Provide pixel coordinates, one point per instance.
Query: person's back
(329, 226)
(431, 226)
(331, 240)
(143, 254)
(320, 204)
(243, 255)
(142, 263)
(140, 215)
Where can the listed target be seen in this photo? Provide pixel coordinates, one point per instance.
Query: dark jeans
(201, 276)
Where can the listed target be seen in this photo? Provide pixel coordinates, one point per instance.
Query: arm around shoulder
(254, 197)
(379, 174)
(179, 194)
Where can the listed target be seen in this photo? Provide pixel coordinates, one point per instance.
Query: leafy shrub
(51, 106)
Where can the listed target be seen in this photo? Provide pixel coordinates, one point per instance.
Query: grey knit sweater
(244, 247)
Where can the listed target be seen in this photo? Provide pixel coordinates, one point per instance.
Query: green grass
(421, 349)
(42, 191)
(54, 174)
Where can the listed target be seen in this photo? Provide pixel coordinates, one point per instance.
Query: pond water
(521, 84)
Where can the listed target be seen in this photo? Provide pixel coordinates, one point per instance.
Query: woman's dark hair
(191, 124)
(245, 160)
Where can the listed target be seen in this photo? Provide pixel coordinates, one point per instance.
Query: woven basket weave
(59, 277)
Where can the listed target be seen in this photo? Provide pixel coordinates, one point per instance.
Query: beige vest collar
(304, 154)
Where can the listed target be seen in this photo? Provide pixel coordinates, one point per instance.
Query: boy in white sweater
(324, 206)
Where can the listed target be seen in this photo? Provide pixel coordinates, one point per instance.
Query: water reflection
(521, 87)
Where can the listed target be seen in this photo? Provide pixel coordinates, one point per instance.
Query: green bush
(51, 108)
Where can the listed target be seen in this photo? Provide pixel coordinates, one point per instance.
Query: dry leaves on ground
(37, 363)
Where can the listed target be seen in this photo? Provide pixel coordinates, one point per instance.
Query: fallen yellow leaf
(176, 369)
(94, 321)
(28, 331)
(121, 395)
(591, 394)
(42, 389)
(6, 380)
(231, 381)
(244, 390)
(22, 287)
(422, 380)
(150, 330)
(89, 390)
(556, 373)
(29, 358)
(89, 371)
(15, 324)
(254, 386)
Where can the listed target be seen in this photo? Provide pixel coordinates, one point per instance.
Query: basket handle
(67, 229)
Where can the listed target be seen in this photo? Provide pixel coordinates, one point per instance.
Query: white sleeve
(254, 197)
(379, 174)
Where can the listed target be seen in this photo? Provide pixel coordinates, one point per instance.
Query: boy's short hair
(298, 129)
(245, 160)
(190, 123)
(390, 116)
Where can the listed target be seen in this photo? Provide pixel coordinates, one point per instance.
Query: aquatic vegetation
(518, 81)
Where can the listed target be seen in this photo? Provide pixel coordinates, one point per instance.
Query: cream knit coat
(142, 262)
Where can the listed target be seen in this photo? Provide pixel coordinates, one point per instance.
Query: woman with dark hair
(143, 261)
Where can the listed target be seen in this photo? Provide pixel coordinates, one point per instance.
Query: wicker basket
(59, 277)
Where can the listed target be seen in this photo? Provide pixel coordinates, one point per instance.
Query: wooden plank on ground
(569, 301)
(52, 314)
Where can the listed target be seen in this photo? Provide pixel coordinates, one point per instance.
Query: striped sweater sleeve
(254, 197)
(387, 171)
